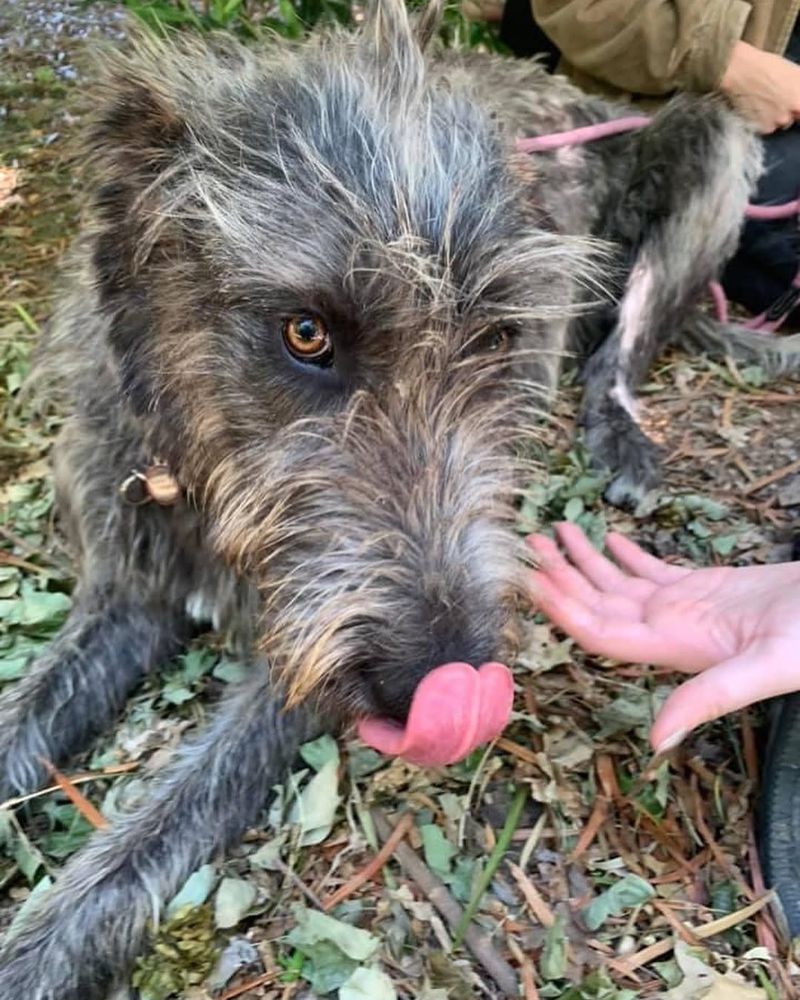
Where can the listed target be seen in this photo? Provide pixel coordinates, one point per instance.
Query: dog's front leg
(79, 684)
(82, 938)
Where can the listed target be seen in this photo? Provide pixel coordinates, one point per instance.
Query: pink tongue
(455, 709)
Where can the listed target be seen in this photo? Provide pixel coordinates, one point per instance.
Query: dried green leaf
(314, 810)
(176, 693)
(332, 948)
(630, 891)
(438, 850)
(233, 901)
(196, 663)
(368, 984)
(598, 986)
(314, 927)
(195, 890)
(629, 711)
(27, 907)
(573, 509)
(320, 752)
(71, 832)
(553, 962)
(13, 667)
(39, 608)
(28, 858)
(229, 671)
(268, 856)
(723, 545)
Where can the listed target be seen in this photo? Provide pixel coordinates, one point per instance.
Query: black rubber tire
(779, 808)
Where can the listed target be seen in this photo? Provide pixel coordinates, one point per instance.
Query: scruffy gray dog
(319, 284)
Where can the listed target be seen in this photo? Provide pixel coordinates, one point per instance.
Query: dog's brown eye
(496, 340)
(307, 339)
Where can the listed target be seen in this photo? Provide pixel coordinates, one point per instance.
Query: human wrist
(742, 60)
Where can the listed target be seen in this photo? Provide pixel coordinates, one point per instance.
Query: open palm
(738, 629)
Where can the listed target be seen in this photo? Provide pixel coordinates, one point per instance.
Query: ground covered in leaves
(555, 858)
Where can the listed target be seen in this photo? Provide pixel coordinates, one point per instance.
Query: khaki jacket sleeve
(646, 46)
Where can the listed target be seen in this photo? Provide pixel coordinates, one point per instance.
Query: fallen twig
(766, 934)
(291, 876)
(597, 818)
(7, 559)
(683, 932)
(74, 779)
(435, 890)
(78, 799)
(607, 777)
(770, 398)
(726, 421)
(236, 991)
(533, 897)
(773, 477)
(718, 926)
(745, 469)
(371, 870)
(749, 749)
(529, 990)
(20, 543)
(705, 832)
(517, 750)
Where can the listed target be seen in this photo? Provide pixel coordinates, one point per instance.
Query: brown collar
(155, 483)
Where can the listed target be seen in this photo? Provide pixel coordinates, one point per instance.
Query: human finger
(569, 580)
(598, 630)
(635, 560)
(760, 672)
(593, 564)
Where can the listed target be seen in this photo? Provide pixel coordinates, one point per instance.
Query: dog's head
(333, 301)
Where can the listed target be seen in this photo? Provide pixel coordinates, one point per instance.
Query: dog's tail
(777, 355)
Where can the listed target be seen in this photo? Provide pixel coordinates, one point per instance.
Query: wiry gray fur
(349, 527)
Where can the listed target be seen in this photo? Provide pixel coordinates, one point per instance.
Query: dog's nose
(394, 681)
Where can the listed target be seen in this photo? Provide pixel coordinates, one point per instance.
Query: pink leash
(771, 319)
(580, 136)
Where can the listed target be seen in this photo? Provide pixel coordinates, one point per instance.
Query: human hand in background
(763, 86)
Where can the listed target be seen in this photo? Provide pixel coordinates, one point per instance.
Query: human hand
(765, 87)
(736, 628)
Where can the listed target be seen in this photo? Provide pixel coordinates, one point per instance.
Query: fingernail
(665, 746)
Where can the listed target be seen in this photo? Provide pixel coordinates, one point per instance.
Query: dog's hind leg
(677, 216)
(82, 937)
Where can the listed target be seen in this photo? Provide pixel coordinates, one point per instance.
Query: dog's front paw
(626, 493)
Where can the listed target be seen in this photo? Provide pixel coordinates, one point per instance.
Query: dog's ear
(138, 128)
(135, 140)
(136, 143)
